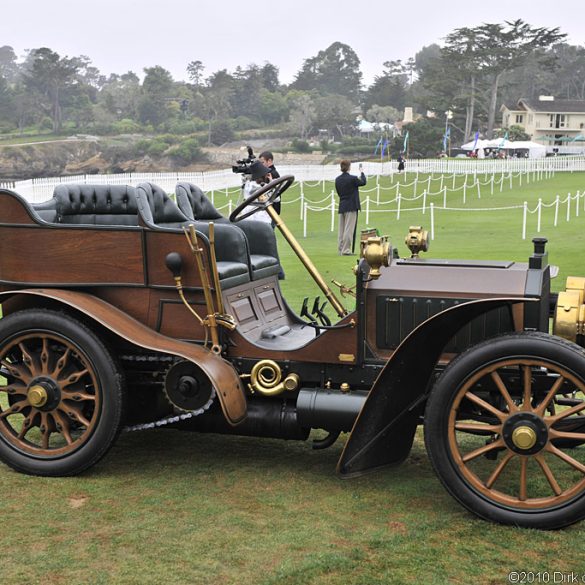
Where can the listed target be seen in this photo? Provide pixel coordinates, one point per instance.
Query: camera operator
(267, 159)
(259, 175)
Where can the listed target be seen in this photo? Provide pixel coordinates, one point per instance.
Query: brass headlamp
(569, 321)
(376, 252)
(417, 240)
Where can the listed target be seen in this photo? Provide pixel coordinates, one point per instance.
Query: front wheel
(61, 406)
(505, 430)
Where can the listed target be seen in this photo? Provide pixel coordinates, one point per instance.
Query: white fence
(37, 190)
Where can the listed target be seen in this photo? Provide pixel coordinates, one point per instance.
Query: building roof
(552, 106)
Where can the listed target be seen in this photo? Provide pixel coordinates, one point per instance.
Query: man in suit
(347, 187)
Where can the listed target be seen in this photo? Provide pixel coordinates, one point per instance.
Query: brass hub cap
(37, 396)
(524, 437)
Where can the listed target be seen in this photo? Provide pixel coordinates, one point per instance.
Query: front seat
(259, 235)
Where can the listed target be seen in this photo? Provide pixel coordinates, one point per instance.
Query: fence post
(539, 215)
(332, 210)
(577, 204)
(524, 220)
(432, 221)
(568, 207)
(424, 209)
(305, 220)
(492, 187)
(429, 185)
(528, 177)
(511, 177)
(478, 190)
(441, 183)
(378, 194)
(367, 211)
(398, 200)
(520, 178)
(453, 188)
(502, 183)
(213, 198)
(556, 211)
(445, 197)
(302, 203)
(229, 207)
(465, 191)
(415, 185)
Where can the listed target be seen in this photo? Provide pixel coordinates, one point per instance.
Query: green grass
(182, 508)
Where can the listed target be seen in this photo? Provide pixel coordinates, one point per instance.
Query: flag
(446, 138)
(476, 139)
(503, 142)
(378, 146)
(384, 147)
(405, 145)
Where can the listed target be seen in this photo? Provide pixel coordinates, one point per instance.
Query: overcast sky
(122, 35)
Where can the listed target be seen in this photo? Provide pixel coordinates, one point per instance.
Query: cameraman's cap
(258, 170)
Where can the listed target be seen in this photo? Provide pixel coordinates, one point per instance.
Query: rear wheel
(61, 406)
(505, 430)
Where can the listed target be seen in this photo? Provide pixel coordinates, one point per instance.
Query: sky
(123, 35)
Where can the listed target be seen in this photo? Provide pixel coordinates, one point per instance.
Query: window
(558, 120)
(519, 118)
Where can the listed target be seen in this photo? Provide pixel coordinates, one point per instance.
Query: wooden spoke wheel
(505, 430)
(61, 406)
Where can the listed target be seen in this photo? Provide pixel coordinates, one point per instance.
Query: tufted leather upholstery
(259, 235)
(92, 204)
(159, 210)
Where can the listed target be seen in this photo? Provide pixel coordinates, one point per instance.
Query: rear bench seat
(117, 205)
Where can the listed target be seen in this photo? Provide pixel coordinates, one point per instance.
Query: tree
(335, 70)
(390, 88)
(8, 65)
(302, 113)
(7, 105)
(157, 88)
(269, 73)
(195, 72)
(384, 114)
(335, 113)
(495, 49)
(49, 76)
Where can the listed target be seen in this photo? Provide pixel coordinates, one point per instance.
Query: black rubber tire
(108, 424)
(527, 344)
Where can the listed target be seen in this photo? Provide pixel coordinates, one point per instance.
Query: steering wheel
(278, 187)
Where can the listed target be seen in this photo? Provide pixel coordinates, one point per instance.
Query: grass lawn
(182, 508)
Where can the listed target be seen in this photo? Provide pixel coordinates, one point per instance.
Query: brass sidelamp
(569, 320)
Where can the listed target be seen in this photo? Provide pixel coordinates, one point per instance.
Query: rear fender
(223, 376)
(384, 430)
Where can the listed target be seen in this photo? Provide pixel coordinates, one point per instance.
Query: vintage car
(124, 308)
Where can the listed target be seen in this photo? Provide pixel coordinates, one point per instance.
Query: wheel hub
(43, 394)
(37, 396)
(525, 433)
(524, 437)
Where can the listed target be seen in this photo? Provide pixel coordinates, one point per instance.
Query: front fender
(221, 373)
(384, 430)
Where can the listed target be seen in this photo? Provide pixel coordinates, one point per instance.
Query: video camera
(244, 166)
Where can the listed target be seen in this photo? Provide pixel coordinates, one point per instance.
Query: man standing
(346, 186)
(267, 159)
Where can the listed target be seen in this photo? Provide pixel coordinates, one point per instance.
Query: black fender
(384, 430)
(222, 374)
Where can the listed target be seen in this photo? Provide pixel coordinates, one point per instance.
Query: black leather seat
(90, 204)
(259, 235)
(158, 211)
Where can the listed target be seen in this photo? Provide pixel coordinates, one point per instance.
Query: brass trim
(569, 318)
(266, 379)
(524, 437)
(346, 357)
(37, 396)
(311, 268)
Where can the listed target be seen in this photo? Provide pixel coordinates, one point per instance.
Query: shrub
(187, 152)
(126, 126)
(221, 132)
(301, 145)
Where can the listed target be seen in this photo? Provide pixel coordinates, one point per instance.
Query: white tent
(534, 149)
